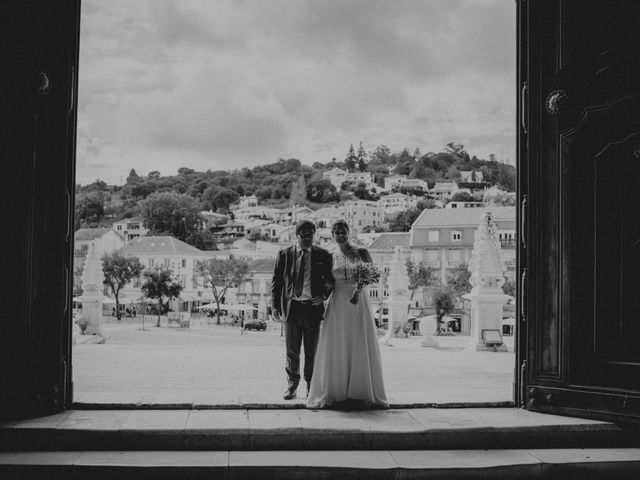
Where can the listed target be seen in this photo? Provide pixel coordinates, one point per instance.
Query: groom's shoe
(289, 394)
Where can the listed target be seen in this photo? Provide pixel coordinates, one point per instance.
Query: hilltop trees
(90, 209)
(351, 159)
(172, 213)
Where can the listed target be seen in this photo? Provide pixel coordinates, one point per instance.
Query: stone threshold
(295, 404)
(303, 429)
(383, 464)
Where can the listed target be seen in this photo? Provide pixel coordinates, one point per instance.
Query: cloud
(224, 84)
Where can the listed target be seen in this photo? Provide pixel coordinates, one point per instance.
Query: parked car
(255, 325)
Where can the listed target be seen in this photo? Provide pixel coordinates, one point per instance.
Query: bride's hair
(339, 223)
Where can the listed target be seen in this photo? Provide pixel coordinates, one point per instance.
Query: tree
(455, 149)
(442, 299)
(405, 163)
(418, 171)
(420, 275)
(298, 192)
(224, 197)
(453, 173)
(403, 221)
(462, 197)
(417, 154)
(154, 174)
(382, 154)
(219, 275)
(90, 209)
(426, 203)
(321, 190)
(172, 213)
(133, 177)
(263, 193)
(458, 280)
(203, 240)
(351, 159)
(118, 271)
(159, 284)
(362, 192)
(361, 159)
(185, 171)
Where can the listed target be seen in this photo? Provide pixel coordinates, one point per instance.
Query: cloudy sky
(222, 84)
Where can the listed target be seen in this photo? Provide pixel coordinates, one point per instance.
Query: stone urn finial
(92, 273)
(487, 265)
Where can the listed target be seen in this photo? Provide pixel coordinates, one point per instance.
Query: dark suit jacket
(284, 276)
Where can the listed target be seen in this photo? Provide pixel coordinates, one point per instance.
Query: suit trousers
(302, 326)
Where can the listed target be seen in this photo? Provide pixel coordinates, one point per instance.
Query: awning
(240, 307)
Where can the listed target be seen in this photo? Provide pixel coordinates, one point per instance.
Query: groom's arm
(277, 284)
(328, 276)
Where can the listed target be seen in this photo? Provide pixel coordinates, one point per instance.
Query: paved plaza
(210, 364)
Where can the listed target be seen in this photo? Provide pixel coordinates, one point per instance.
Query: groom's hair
(304, 223)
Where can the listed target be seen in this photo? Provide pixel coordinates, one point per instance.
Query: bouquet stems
(355, 296)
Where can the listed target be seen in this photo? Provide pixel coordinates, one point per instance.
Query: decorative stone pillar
(92, 281)
(262, 302)
(487, 278)
(398, 301)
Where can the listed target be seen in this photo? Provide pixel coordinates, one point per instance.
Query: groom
(301, 281)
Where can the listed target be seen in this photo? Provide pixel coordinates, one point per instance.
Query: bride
(348, 367)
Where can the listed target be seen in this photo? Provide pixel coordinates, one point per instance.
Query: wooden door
(579, 188)
(39, 51)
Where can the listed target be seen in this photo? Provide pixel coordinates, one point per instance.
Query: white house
(336, 176)
(170, 253)
(291, 215)
(471, 176)
(361, 177)
(212, 218)
(360, 214)
(325, 216)
(396, 202)
(246, 202)
(129, 228)
(414, 184)
(444, 190)
(393, 181)
(444, 238)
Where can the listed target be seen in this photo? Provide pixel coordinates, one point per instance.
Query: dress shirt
(306, 286)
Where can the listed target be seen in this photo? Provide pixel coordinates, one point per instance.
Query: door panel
(39, 45)
(581, 163)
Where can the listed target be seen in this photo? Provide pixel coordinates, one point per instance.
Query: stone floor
(216, 365)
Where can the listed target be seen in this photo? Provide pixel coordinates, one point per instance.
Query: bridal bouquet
(364, 274)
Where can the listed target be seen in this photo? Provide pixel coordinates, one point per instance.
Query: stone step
(282, 465)
(290, 429)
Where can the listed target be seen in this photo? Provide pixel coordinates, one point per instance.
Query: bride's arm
(364, 255)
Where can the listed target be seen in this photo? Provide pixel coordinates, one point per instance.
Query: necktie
(297, 289)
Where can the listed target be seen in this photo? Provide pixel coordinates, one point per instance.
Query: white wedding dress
(348, 368)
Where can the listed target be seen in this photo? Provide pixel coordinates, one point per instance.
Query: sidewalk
(216, 365)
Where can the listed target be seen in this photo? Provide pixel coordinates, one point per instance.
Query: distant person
(113, 311)
(301, 281)
(134, 311)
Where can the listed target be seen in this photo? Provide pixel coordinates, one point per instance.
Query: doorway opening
(212, 139)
